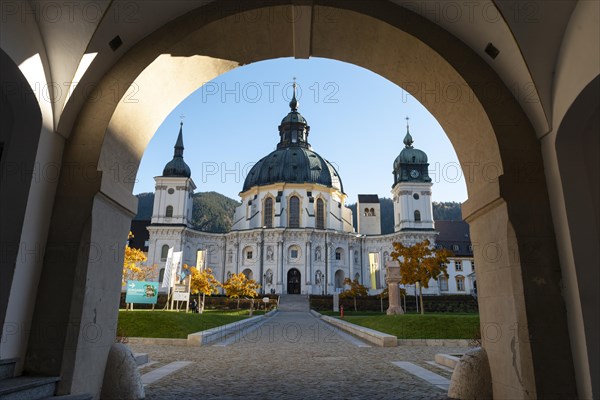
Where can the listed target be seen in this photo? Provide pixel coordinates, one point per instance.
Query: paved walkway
(293, 355)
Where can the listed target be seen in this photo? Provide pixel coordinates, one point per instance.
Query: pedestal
(393, 280)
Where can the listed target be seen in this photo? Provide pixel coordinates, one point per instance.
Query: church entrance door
(293, 281)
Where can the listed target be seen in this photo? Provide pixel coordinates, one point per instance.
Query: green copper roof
(293, 161)
(177, 167)
(293, 165)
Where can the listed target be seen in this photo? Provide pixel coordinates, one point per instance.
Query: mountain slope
(212, 212)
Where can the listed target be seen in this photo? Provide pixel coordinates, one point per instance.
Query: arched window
(294, 217)
(169, 212)
(320, 214)
(372, 212)
(248, 254)
(338, 254)
(366, 212)
(443, 283)
(164, 252)
(268, 212)
(248, 273)
(417, 215)
(161, 275)
(339, 279)
(460, 283)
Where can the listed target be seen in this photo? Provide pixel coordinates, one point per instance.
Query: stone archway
(20, 132)
(491, 134)
(577, 144)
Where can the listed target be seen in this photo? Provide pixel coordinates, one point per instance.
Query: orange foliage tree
(419, 264)
(239, 285)
(133, 268)
(355, 290)
(202, 281)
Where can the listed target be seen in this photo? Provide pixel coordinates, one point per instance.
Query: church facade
(292, 232)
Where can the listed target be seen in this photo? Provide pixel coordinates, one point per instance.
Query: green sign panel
(141, 292)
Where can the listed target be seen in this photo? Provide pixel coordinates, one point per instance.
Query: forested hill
(442, 211)
(213, 212)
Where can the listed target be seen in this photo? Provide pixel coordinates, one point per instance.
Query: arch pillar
(522, 312)
(77, 304)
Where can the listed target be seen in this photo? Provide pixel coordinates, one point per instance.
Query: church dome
(177, 167)
(293, 164)
(410, 156)
(411, 164)
(293, 117)
(293, 161)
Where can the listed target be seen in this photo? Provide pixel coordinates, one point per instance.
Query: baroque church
(293, 233)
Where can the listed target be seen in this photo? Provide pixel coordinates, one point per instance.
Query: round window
(171, 191)
(416, 196)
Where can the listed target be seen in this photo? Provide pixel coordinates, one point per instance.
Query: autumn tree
(133, 269)
(202, 281)
(355, 290)
(239, 285)
(419, 264)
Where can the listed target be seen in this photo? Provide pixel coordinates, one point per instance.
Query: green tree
(419, 264)
(239, 285)
(355, 290)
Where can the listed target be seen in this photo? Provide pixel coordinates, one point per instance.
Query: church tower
(174, 189)
(412, 189)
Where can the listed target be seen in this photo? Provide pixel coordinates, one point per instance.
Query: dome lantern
(293, 161)
(294, 129)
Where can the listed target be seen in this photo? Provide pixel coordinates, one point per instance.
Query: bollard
(341, 311)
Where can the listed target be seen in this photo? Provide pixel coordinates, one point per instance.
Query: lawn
(172, 324)
(417, 326)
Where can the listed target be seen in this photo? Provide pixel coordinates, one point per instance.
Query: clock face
(414, 173)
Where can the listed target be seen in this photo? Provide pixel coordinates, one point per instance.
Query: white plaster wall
(180, 200)
(369, 225)
(336, 218)
(405, 205)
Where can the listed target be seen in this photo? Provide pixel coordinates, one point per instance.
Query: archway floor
(293, 355)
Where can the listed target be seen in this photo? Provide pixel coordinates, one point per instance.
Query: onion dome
(411, 164)
(293, 161)
(177, 167)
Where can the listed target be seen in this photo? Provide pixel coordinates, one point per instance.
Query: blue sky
(356, 117)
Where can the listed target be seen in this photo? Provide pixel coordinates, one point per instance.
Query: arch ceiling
(72, 30)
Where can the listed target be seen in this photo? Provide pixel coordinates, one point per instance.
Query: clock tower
(411, 190)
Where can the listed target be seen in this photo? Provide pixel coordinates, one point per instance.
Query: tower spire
(408, 140)
(178, 167)
(294, 102)
(179, 143)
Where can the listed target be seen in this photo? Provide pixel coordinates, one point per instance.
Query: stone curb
(203, 338)
(370, 335)
(315, 314)
(447, 360)
(157, 341)
(434, 342)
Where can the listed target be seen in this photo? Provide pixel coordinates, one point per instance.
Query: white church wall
(176, 193)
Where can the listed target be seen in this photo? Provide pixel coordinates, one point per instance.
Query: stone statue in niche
(269, 277)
